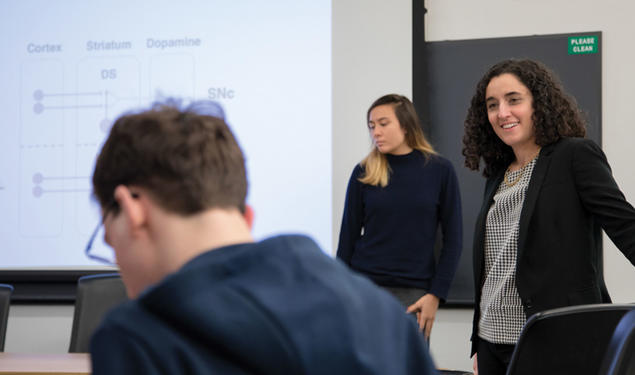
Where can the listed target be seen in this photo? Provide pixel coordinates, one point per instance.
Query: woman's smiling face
(510, 109)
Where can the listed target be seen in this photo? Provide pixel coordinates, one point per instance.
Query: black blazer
(571, 196)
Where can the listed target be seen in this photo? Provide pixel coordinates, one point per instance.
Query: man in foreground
(206, 298)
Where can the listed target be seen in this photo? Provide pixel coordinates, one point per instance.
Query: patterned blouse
(502, 315)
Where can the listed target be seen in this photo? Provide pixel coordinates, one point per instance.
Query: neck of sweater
(396, 159)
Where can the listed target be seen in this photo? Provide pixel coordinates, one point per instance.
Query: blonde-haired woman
(397, 197)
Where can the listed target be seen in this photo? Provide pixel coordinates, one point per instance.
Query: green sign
(583, 44)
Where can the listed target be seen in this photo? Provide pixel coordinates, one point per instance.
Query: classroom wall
(372, 41)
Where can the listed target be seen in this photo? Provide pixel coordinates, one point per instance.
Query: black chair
(569, 340)
(96, 295)
(620, 356)
(5, 302)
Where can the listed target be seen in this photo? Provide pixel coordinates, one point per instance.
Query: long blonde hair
(376, 167)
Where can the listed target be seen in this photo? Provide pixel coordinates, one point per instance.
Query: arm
(451, 222)
(450, 219)
(351, 228)
(601, 196)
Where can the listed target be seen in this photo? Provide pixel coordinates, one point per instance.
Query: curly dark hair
(556, 115)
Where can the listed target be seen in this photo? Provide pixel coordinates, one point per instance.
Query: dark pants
(407, 296)
(493, 359)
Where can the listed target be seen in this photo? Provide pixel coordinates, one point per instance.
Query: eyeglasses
(89, 246)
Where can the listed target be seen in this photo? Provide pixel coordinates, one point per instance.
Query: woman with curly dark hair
(549, 192)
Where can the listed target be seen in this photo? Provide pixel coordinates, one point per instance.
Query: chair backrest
(96, 295)
(620, 356)
(569, 340)
(5, 302)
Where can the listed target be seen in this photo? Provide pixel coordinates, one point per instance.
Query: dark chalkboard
(445, 76)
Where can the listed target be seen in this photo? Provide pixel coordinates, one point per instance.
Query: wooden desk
(44, 364)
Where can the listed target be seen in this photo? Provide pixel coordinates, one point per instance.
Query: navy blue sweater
(279, 306)
(388, 233)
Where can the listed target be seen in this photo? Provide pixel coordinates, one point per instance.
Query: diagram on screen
(65, 120)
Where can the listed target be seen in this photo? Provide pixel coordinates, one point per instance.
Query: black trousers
(493, 359)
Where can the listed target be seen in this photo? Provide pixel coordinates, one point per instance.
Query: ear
(249, 216)
(131, 207)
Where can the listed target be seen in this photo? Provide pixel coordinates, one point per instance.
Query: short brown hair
(187, 159)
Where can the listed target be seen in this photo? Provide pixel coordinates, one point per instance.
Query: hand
(426, 309)
(475, 365)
